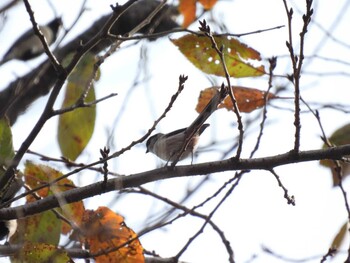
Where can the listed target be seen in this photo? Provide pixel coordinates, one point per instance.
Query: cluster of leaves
(99, 230)
(76, 127)
(198, 50)
(103, 230)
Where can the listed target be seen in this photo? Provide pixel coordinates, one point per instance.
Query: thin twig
(219, 50)
(181, 30)
(182, 80)
(273, 62)
(330, 254)
(48, 110)
(67, 162)
(337, 169)
(193, 213)
(297, 63)
(82, 104)
(211, 214)
(290, 199)
(57, 66)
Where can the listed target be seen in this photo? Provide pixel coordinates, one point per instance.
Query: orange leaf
(106, 231)
(248, 99)
(207, 4)
(188, 9)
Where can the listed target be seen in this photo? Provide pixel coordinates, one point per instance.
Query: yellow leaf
(198, 50)
(76, 127)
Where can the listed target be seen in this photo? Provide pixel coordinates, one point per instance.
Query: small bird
(168, 146)
(29, 46)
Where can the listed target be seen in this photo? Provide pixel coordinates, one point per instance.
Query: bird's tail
(202, 128)
(198, 124)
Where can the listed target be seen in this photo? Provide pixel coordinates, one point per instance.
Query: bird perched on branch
(29, 46)
(180, 144)
(167, 146)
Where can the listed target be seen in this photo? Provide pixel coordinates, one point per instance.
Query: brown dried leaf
(248, 99)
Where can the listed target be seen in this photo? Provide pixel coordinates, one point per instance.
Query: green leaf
(341, 136)
(44, 227)
(76, 127)
(37, 175)
(6, 146)
(198, 50)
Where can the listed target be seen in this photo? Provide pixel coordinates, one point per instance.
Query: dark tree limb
(123, 182)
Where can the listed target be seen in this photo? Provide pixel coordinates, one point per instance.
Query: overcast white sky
(256, 214)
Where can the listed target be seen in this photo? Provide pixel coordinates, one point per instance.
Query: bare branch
(124, 182)
(219, 50)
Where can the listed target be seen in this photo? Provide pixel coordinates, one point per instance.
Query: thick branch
(265, 163)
